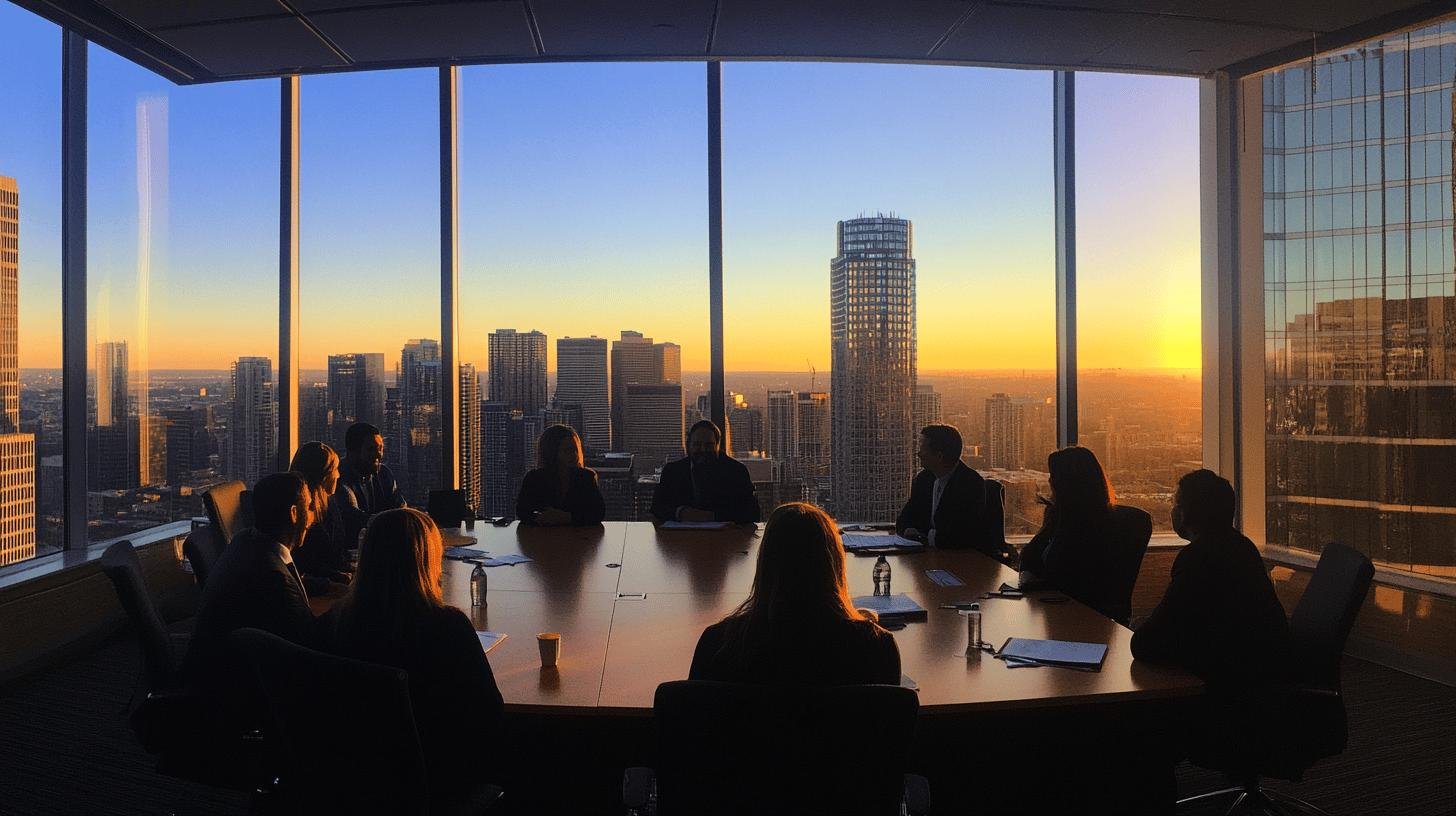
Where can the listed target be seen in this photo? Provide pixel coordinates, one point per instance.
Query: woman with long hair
(561, 490)
(324, 554)
(1088, 545)
(798, 626)
(395, 614)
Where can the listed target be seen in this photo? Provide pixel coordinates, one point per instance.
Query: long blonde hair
(312, 461)
(398, 581)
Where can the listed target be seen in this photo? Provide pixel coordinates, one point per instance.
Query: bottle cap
(975, 607)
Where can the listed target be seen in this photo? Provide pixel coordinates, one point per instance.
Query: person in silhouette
(561, 490)
(366, 485)
(255, 583)
(798, 626)
(394, 614)
(324, 556)
(706, 485)
(947, 499)
(1088, 545)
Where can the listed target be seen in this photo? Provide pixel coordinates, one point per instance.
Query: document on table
(695, 525)
(1065, 653)
(892, 607)
(490, 640)
(462, 553)
(944, 578)
(875, 541)
(505, 561)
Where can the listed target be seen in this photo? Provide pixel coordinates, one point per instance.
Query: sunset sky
(583, 197)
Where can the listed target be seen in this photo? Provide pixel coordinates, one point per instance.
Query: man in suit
(707, 485)
(947, 499)
(366, 485)
(254, 584)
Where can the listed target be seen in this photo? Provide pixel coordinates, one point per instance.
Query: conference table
(630, 600)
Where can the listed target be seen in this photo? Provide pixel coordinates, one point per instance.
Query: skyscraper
(17, 450)
(813, 442)
(495, 426)
(636, 360)
(314, 417)
(653, 423)
(872, 344)
(111, 384)
(781, 427)
(418, 431)
(1006, 432)
(470, 449)
(518, 370)
(581, 380)
(927, 406)
(250, 427)
(355, 392)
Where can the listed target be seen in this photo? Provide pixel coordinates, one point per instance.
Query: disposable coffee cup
(550, 645)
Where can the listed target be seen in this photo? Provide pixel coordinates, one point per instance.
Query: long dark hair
(549, 447)
(799, 576)
(1082, 497)
(398, 581)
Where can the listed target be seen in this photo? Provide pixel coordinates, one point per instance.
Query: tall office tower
(17, 450)
(250, 443)
(653, 424)
(419, 424)
(1006, 432)
(781, 428)
(470, 435)
(518, 370)
(927, 406)
(314, 416)
(812, 422)
(355, 393)
(111, 384)
(618, 482)
(581, 380)
(667, 362)
(188, 441)
(636, 359)
(745, 425)
(495, 478)
(872, 345)
(521, 443)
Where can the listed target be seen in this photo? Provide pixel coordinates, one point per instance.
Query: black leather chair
(202, 553)
(158, 653)
(1128, 562)
(448, 507)
(1307, 721)
(344, 734)
(726, 748)
(994, 521)
(225, 511)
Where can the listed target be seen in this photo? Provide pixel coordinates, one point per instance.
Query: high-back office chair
(993, 531)
(727, 748)
(344, 732)
(448, 507)
(158, 656)
(1127, 562)
(1312, 723)
(224, 505)
(202, 553)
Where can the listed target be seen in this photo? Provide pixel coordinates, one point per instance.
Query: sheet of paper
(890, 605)
(1056, 652)
(695, 525)
(505, 561)
(944, 578)
(490, 640)
(464, 552)
(863, 541)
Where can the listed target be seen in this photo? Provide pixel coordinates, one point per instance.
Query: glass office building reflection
(1360, 318)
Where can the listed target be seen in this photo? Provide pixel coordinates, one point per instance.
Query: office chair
(448, 507)
(344, 734)
(727, 748)
(993, 531)
(1310, 723)
(158, 654)
(225, 511)
(202, 553)
(1127, 562)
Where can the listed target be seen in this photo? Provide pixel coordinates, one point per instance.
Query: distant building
(518, 370)
(17, 449)
(927, 406)
(251, 446)
(470, 439)
(419, 429)
(653, 423)
(746, 429)
(355, 393)
(581, 381)
(637, 360)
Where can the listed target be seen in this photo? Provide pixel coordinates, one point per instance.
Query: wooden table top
(630, 601)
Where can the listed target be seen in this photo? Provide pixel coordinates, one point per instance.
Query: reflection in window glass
(1361, 332)
(182, 280)
(30, 232)
(886, 268)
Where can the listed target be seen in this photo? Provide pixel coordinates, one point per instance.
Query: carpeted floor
(65, 748)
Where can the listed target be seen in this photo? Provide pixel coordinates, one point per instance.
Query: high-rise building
(355, 393)
(653, 424)
(813, 444)
(745, 424)
(1005, 437)
(637, 360)
(314, 417)
(781, 427)
(251, 423)
(927, 406)
(111, 384)
(581, 380)
(518, 370)
(470, 449)
(872, 344)
(418, 431)
(495, 427)
(17, 450)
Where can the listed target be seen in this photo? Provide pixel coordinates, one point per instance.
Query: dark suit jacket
(958, 521)
(324, 553)
(724, 488)
(1220, 617)
(832, 653)
(360, 496)
(1095, 566)
(583, 499)
(458, 708)
(249, 586)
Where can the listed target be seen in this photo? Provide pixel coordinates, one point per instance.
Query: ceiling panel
(873, 29)
(1037, 36)
(307, 7)
(273, 46)
(624, 27)
(1197, 45)
(440, 32)
(1304, 15)
(157, 13)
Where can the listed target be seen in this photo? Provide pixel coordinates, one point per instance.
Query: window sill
(1303, 559)
(56, 563)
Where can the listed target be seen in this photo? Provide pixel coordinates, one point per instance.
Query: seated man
(947, 499)
(254, 584)
(706, 485)
(366, 485)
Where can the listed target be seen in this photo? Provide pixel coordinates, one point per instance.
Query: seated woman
(395, 615)
(561, 490)
(798, 626)
(324, 555)
(1089, 546)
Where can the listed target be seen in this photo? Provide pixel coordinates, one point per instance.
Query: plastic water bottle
(477, 585)
(973, 630)
(882, 576)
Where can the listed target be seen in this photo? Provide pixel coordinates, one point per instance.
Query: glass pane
(583, 217)
(1139, 284)
(30, 286)
(369, 260)
(854, 254)
(182, 283)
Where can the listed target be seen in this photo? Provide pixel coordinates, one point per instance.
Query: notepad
(1066, 653)
(462, 553)
(892, 607)
(944, 578)
(505, 561)
(490, 640)
(695, 525)
(873, 541)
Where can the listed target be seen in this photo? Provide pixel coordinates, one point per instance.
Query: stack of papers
(1067, 654)
(464, 553)
(857, 542)
(892, 607)
(505, 561)
(695, 525)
